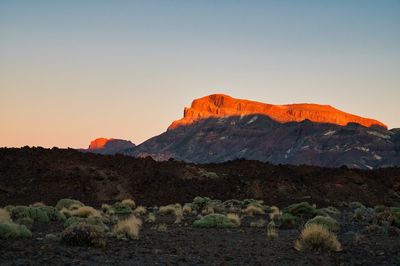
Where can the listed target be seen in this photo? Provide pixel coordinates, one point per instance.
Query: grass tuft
(128, 228)
(317, 237)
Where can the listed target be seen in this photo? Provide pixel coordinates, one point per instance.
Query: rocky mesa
(220, 105)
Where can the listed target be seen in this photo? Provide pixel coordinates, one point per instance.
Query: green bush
(330, 211)
(326, 221)
(213, 220)
(232, 203)
(121, 208)
(395, 209)
(379, 208)
(27, 221)
(11, 230)
(365, 215)
(72, 221)
(302, 210)
(37, 214)
(200, 203)
(287, 221)
(67, 203)
(53, 213)
(83, 235)
(355, 205)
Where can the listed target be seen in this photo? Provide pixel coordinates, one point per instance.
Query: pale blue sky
(71, 71)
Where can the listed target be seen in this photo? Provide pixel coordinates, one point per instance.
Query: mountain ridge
(221, 105)
(219, 128)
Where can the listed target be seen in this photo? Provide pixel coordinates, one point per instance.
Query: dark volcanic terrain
(183, 245)
(29, 175)
(36, 174)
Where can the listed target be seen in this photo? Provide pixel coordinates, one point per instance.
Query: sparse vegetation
(356, 205)
(121, 208)
(68, 203)
(330, 223)
(151, 218)
(85, 211)
(11, 230)
(37, 214)
(301, 210)
(83, 234)
(213, 220)
(258, 223)
(317, 237)
(128, 228)
(287, 220)
(4, 216)
(207, 210)
(169, 209)
(330, 211)
(163, 227)
(140, 210)
(234, 218)
(272, 230)
(187, 209)
(87, 226)
(129, 202)
(95, 221)
(107, 208)
(274, 213)
(178, 215)
(253, 210)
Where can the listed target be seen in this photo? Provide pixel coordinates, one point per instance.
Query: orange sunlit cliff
(98, 143)
(219, 105)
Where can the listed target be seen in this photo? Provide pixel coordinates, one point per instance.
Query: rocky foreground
(248, 233)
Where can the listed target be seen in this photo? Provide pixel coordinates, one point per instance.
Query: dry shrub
(259, 223)
(140, 210)
(187, 209)
(129, 228)
(82, 234)
(253, 210)
(317, 237)
(272, 231)
(161, 227)
(4, 216)
(131, 203)
(106, 207)
(234, 218)
(151, 218)
(179, 215)
(207, 210)
(65, 212)
(169, 209)
(75, 206)
(85, 211)
(275, 213)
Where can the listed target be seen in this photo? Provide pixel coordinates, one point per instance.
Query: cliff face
(98, 143)
(109, 146)
(219, 106)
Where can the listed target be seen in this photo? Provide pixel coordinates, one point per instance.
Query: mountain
(109, 146)
(221, 106)
(218, 128)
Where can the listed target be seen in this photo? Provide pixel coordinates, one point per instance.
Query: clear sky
(71, 71)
